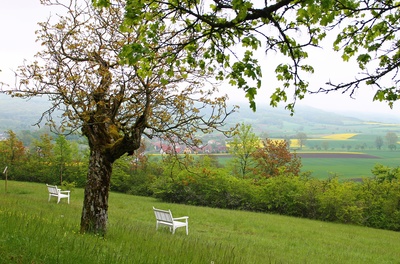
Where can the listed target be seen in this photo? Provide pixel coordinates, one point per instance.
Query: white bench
(54, 191)
(164, 217)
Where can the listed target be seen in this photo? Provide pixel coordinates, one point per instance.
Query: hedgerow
(373, 202)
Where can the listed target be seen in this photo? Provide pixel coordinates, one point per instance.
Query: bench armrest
(65, 191)
(182, 218)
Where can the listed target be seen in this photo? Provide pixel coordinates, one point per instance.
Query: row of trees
(48, 160)
(59, 159)
(248, 140)
(391, 139)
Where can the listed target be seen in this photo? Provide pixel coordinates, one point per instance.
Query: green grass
(322, 168)
(344, 168)
(33, 230)
(350, 168)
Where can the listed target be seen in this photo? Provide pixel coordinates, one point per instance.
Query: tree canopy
(366, 31)
(274, 159)
(391, 138)
(243, 144)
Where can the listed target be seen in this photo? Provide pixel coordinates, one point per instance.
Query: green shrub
(284, 194)
(68, 185)
(383, 173)
(340, 202)
(206, 187)
(381, 203)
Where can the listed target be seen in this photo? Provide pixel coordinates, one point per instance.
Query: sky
(18, 22)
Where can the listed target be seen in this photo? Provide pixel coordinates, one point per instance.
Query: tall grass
(33, 230)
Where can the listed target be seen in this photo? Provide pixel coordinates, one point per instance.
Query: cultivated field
(346, 155)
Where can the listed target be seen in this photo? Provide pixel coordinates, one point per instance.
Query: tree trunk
(95, 205)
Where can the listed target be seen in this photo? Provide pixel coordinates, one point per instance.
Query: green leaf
(101, 3)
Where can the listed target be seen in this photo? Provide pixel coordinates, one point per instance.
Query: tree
(12, 154)
(243, 144)
(325, 145)
(301, 138)
(43, 148)
(42, 165)
(12, 150)
(384, 173)
(379, 142)
(364, 30)
(63, 154)
(113, 99)
(274, 158)
(391, 139)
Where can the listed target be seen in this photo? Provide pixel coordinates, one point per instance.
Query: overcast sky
(18, 22)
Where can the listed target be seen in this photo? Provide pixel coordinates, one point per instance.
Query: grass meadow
(33, 230)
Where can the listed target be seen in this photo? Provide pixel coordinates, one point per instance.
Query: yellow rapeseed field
(294, 143)
(381, 124)
(343, 136)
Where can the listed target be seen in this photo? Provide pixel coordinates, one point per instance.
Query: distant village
(215, 144)
(211, 146)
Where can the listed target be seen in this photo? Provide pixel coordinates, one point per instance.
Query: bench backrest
(52, 189)
(162, 215)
